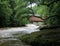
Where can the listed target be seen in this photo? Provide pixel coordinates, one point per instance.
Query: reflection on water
(9, 37)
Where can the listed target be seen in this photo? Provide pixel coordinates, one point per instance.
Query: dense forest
(13, 13)
(16, 13)
(49, 10)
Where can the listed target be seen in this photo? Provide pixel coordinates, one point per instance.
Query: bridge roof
(35, 19)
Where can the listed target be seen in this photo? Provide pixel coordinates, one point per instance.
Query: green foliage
(13, 13)
(54, 12)
(42, 11)
(5, 13)
(49, 9)
(20, 13)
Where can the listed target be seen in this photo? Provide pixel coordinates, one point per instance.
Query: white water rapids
(9, 31)
(7, 37)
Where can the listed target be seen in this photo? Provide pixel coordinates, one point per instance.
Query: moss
(46, 37)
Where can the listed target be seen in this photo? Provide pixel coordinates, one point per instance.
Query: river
(8, 36)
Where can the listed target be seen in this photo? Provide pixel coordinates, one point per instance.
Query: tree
(53, 9)
(20, 12)
(13, 13)
(5, 13)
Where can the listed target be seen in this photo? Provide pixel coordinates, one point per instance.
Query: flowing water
(8, 36)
